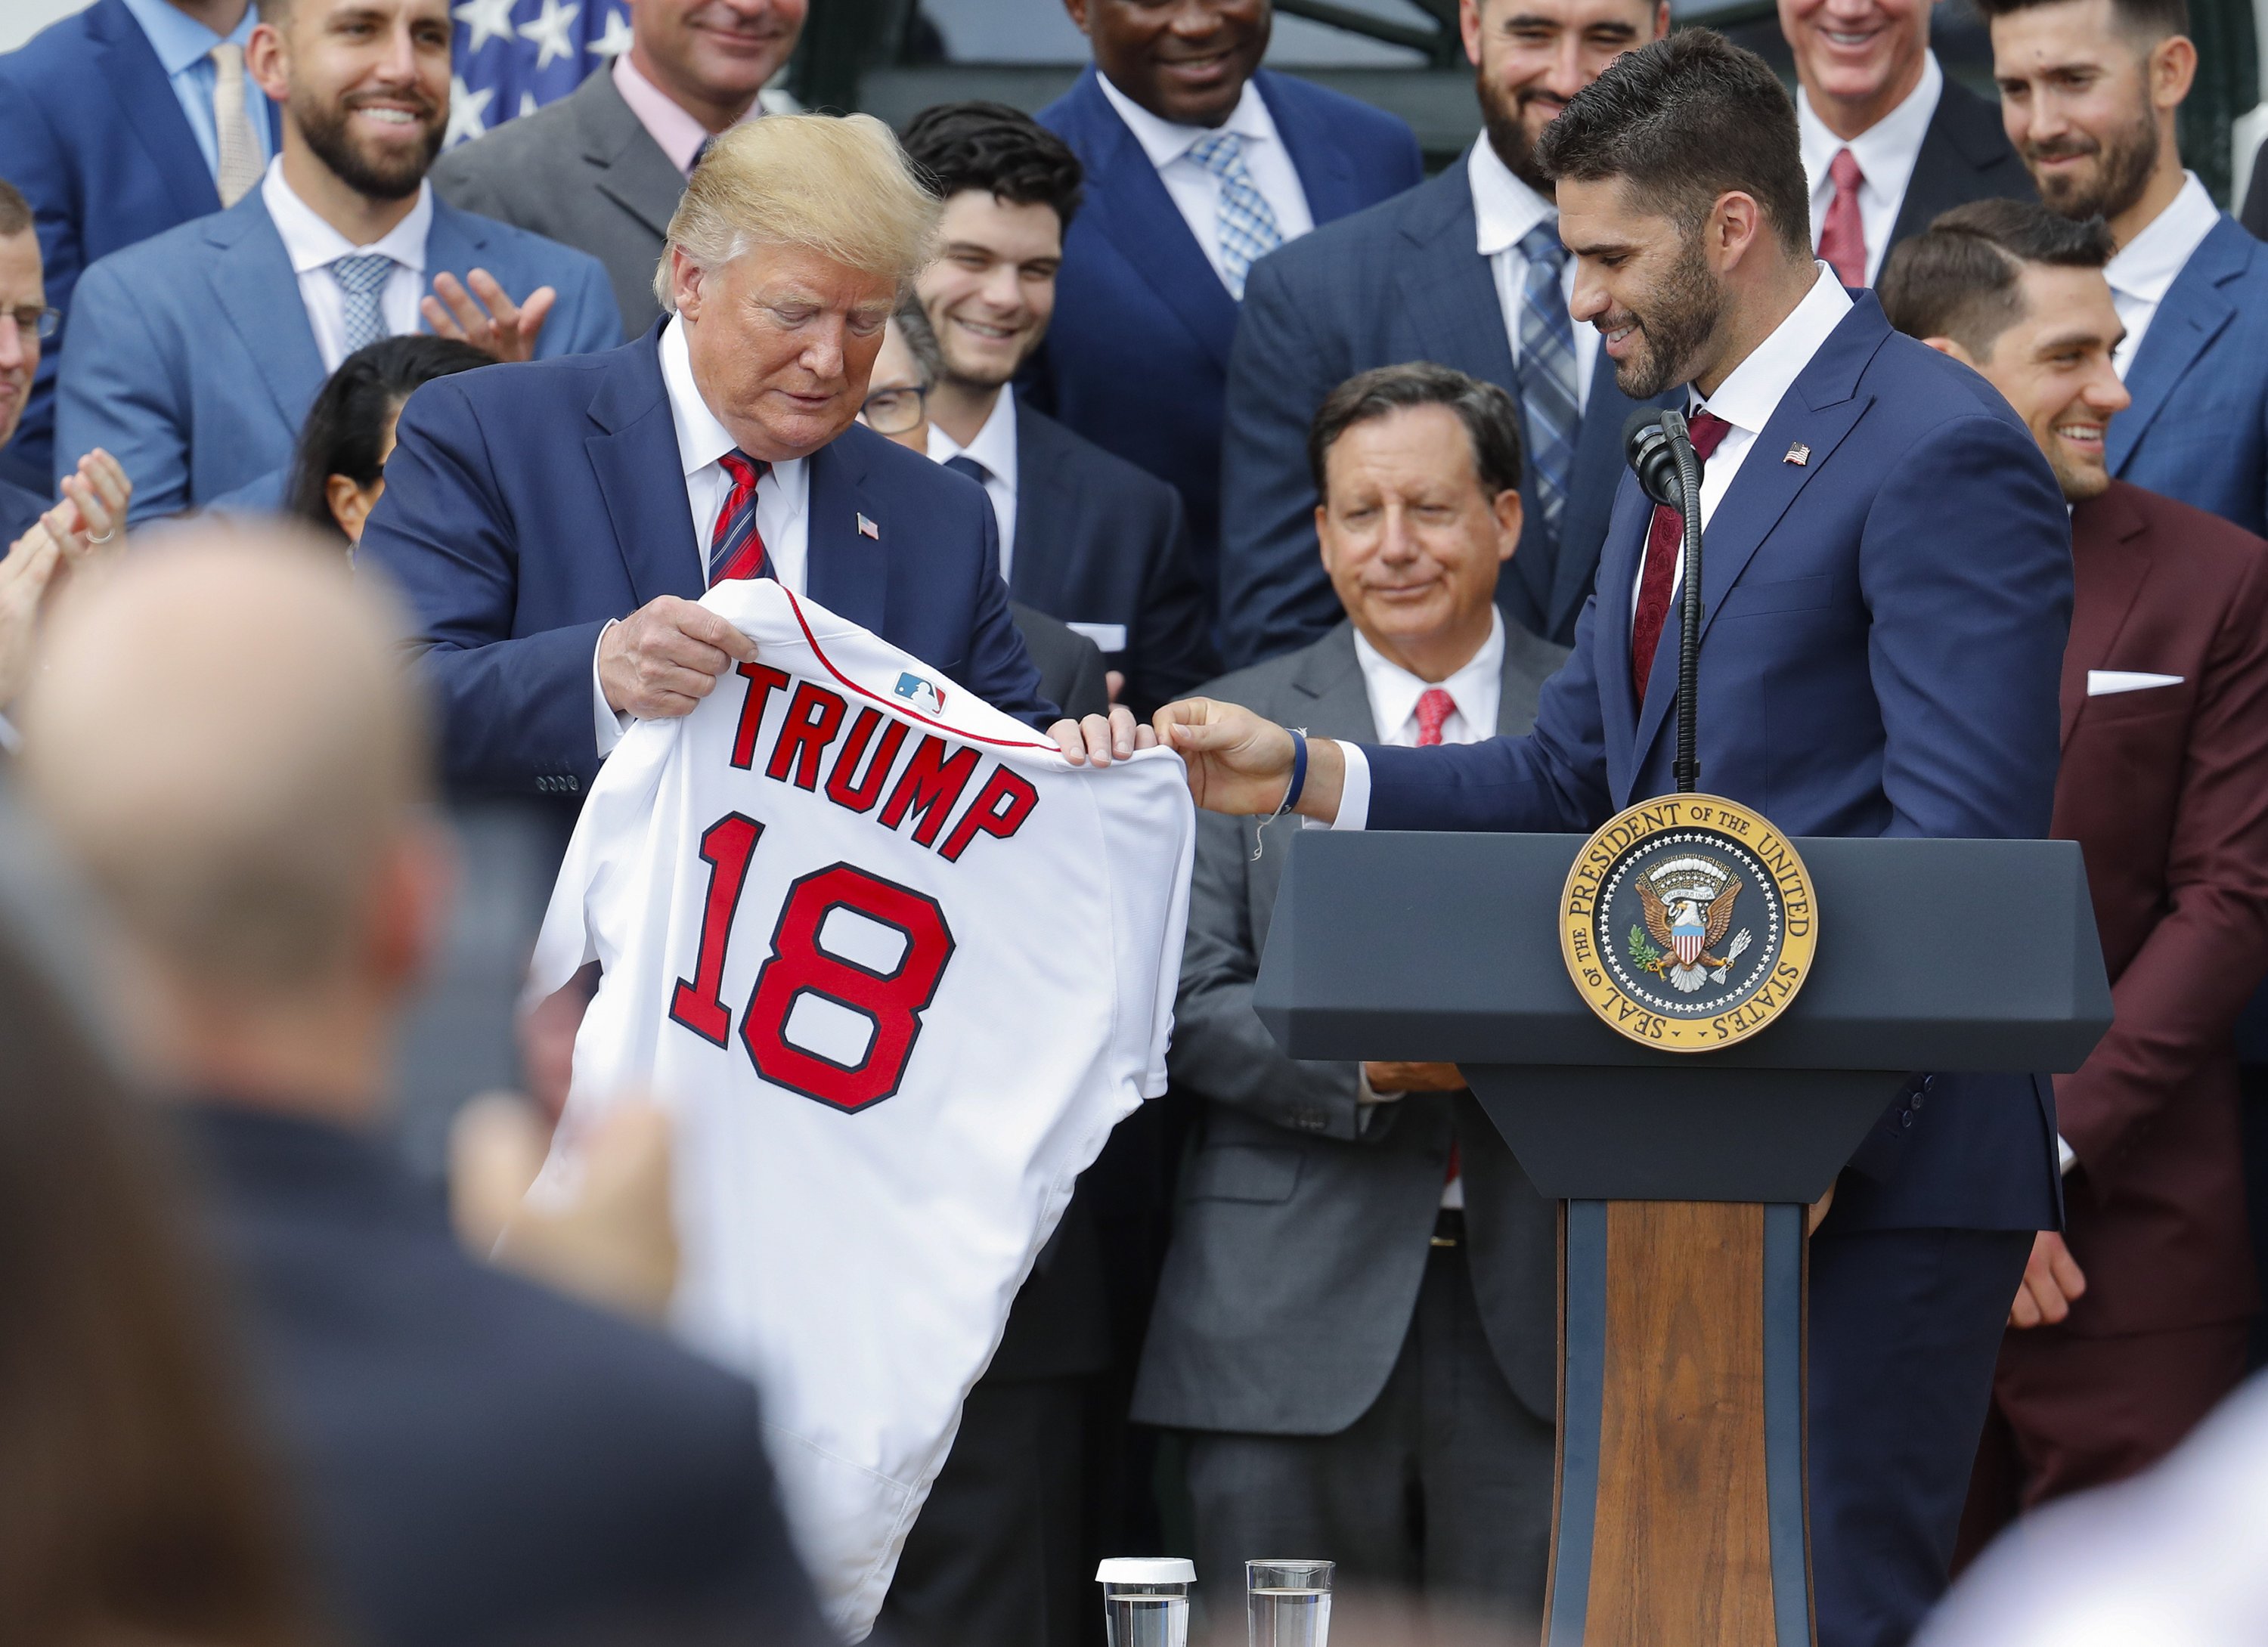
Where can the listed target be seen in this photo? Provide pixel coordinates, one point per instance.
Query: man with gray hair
(555, 526)
(478, 1459)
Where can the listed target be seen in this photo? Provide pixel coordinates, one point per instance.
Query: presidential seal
(1688, 922)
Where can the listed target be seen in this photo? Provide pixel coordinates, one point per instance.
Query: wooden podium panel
(1679, 1520)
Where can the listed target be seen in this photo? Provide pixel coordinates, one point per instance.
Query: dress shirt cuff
(2067, 1157)
(1354, 789)
(1365, 1092)
(607, 726)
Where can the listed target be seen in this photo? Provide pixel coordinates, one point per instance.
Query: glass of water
(1287, 1603)
(1145, 1601)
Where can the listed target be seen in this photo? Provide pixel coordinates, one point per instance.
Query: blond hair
(834, 184)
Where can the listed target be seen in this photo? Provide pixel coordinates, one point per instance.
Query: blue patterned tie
(1547, 393)
(362, 278)
(1246, 227)
(961, 463)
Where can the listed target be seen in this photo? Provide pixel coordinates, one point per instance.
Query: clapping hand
(503, 328)
(38, 564)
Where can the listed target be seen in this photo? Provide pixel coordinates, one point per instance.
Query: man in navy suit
(554, 524)
(1085, 536)
(476, 1460)
(1467, 271)
(1888, 585)
(119, 122)
(1888, 142)
(193, 356)
(2089, 90)
(1198, 164)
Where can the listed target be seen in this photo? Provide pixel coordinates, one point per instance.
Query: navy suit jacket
(193, 362)
(1397, 282)
(479, 1460)
(1098, 542)
(1137, 357)
(2198, 428)
(92, 133)
(19, 507)
(1965, 156)
(527, 506)
(1881, 653)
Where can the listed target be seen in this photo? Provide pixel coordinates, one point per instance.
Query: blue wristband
(1298, 771)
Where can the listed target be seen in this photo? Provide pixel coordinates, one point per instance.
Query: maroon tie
(1843, 236)
(1665, 541)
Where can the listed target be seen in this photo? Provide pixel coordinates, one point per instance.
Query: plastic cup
(1146, 1600)
(1288, 1603)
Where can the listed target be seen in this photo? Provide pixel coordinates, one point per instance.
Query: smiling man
(195, 355)
(2133, 1322)
(1888, 584)
(554, 526)
(1466, 270)
(602, 169)
(1888, 142)
(2090, 90)
(1199, 162)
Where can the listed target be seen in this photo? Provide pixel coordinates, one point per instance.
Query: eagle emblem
(1688, 905)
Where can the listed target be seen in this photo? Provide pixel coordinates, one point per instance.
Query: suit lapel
(1445, 285)
(1955, 149)
(1595, 488)
(1326, 174)
(633, 453)
(253, 283)
(1130, 207)
(2194, 313)
(2110, 558)
(1039, 562)
(1818, 410)
(631, 167)
(458, 241)
(1330, 681)
(1618, 566)
(148, 108)
(845, 571)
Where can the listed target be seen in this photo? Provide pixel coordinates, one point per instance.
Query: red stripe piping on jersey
(897, 706)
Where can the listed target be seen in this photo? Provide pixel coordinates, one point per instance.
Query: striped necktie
(1548, 399)
(736, 548)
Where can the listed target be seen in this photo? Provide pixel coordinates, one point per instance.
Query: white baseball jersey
(897, 967)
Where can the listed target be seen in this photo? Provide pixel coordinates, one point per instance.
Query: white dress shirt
(783, 502)
(994, 447)
(1504, 211)
(314, 245)
(1195, 192)
(1746, 398)
(2146, 265)
(1886, 153)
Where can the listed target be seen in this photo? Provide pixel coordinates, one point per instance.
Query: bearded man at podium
(1887, 587)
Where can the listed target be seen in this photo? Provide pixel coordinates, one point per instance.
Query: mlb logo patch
(922, 695)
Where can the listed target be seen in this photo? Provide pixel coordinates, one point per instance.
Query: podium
(1679, 1519)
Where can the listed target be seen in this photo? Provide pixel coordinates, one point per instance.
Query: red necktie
(736, 548)
(1665, 542)
(1434, 707)
(1843, 237)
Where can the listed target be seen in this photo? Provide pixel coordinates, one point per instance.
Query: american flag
(513, 56)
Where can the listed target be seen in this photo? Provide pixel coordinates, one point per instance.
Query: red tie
(1434, 707)
(1843, 237)
(736, 548)
(1665, 541)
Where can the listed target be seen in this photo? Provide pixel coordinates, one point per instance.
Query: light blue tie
(1246, 227)
(1548, 395)
(362, 277)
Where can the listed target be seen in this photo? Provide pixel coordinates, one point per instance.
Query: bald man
(223, 737)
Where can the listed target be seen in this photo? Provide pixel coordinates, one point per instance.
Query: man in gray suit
(1356, 1323)
(602, 169)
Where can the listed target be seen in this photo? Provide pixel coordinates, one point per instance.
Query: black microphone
(1652, 457)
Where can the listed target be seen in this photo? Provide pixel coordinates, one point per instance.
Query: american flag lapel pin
(868, 529)
(1799, 454)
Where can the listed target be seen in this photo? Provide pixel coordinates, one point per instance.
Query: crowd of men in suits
(1195, 370)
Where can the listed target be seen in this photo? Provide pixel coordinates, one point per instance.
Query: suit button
(573, 783)
(1906, 1118)
(1927, 1081)
(1917, 1101)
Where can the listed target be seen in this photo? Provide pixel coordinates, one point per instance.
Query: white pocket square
(1110, 637)
(2101, 683)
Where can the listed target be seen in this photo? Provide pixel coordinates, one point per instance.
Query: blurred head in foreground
(134, 1506)
(225, 737)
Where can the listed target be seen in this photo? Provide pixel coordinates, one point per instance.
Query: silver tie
(236, 144)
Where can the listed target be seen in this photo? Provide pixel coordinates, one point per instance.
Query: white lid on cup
(1147, 1570)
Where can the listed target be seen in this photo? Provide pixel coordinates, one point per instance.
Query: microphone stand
(1686, 774)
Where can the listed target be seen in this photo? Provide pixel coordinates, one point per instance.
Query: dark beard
(1500, 118)
(325, 132)
(1679, 321)
(2128, 159)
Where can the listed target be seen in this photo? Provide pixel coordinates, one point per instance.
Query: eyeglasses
(894, 411)
(41, 323)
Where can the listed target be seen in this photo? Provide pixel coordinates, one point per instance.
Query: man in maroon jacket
(2131, 1322)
